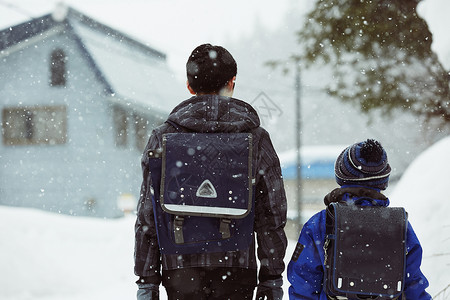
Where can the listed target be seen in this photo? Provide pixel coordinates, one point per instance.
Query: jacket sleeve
(415, 281)
(305, 270)
(146, 252)
(270, 211)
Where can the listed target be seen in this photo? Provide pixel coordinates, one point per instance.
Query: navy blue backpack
(203, 194)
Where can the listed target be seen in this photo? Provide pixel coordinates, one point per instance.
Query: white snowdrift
(423, 191)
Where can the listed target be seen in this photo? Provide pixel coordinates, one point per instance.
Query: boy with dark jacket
(362, 171)
(211, 72)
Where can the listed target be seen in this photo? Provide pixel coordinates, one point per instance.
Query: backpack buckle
(178, 229)
(225, 228)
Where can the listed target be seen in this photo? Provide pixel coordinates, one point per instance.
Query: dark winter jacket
(213, 113)
(306, 273)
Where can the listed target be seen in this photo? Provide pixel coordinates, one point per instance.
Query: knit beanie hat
(363, 163)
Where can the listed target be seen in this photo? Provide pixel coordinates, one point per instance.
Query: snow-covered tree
(380, 53)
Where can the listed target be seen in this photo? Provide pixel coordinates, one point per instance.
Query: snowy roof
(130, 71)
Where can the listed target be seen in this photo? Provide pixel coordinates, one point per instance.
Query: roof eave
(27, 30)
(19, 33)
(18, 45)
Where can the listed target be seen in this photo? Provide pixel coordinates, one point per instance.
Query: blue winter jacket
(306, 273)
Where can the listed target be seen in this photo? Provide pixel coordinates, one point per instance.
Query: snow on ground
(45, 256)
(50, 256)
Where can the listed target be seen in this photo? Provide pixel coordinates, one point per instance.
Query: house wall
(86, 174)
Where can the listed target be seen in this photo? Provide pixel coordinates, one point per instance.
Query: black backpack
(365, 251)
(203, 194)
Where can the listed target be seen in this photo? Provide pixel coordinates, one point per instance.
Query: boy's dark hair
(209, 68)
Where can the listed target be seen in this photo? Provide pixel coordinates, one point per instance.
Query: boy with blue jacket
(362, 170)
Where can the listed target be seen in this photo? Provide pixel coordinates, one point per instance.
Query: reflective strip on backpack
(175, 208)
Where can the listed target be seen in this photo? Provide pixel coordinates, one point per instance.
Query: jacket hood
(214, 113)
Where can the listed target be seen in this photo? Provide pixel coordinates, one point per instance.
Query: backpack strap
(178, 229)
(225, 228)
(178, 220)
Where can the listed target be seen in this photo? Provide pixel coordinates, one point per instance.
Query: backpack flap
(207, 175)
(369, 251)
(205, 198)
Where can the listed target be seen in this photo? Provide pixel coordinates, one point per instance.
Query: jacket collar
(356, 194)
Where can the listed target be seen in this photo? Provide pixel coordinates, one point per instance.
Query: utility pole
(298, 141)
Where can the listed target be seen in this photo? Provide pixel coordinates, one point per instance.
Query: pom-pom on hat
(363, 163)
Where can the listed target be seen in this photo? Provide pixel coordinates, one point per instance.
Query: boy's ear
(231, 83)
(190, 89)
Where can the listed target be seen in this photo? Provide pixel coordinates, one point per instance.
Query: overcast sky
(178, 26)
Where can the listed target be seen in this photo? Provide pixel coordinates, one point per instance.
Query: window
(140, 124)
(34, 125)
(58, 68)
(131, 124)
(121, 126)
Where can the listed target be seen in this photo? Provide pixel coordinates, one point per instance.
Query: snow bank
(422, 190)
(50, 256)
